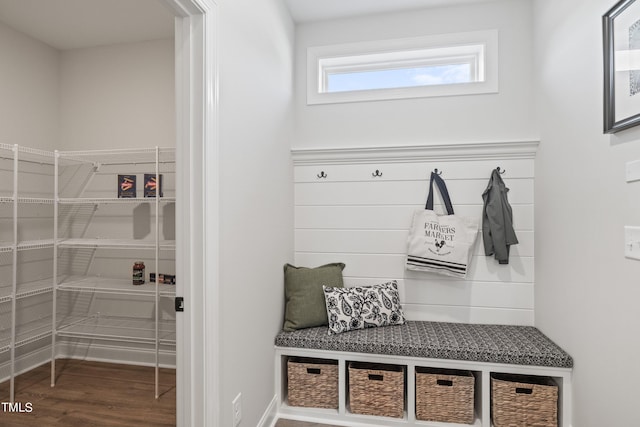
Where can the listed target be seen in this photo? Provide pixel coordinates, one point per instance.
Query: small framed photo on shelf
(151, 186)
(126, 186)
(621, 42)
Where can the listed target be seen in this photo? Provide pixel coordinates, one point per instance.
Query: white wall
(107, 97)
(505, 116)
(352, 217)
(490, 117)
(29, 94)
(115, 96)
(586, 291)
(256, 218)
(118, 96)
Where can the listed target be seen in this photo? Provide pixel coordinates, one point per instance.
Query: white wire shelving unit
(17, 162)
(115, 244)
(17, 237)
(120, 329)
(5, 345)
(113, 286)
(112, 200)
(97, 326)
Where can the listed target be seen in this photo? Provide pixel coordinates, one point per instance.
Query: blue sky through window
(398, 78)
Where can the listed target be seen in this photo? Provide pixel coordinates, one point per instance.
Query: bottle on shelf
(138, 273)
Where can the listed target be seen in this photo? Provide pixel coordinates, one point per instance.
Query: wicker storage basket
(313, 383)
(523, 401)
(445, 395)
(376, 389)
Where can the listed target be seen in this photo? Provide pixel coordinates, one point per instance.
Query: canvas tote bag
(440, 243)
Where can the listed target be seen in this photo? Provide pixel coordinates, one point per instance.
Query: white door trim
(197, 217)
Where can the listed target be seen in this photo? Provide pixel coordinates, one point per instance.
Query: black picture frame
(621, 86)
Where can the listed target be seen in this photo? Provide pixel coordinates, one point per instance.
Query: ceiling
(71, 24)
(319, 10)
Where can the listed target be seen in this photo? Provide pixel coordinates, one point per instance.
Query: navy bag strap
(443, 192)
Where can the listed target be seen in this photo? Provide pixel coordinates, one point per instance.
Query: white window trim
(323, 55)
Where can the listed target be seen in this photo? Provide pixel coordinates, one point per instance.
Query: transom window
(452, 64)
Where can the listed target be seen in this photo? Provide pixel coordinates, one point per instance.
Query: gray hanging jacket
(497, 220)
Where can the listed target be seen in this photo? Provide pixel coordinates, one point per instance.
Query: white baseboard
(269, 417)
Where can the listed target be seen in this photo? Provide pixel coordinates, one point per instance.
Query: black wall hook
(436, 171)
(322, 175)
(376, 174)
(501, 172)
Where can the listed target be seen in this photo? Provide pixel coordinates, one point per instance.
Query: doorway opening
(195, 146)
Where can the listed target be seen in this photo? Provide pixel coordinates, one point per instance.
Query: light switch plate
(632, 242)
(633, 171)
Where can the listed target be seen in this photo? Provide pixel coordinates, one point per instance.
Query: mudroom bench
(485, 353)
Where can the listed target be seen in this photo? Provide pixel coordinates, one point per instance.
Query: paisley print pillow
(363, 307)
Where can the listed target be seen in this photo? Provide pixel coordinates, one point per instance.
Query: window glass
(399, 77)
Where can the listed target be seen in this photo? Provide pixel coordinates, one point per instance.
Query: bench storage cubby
(376, 389)
(312, 383)
(485, 351)
(445, 395)
(523, 400)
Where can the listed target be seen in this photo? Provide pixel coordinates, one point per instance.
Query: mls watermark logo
(17, 407)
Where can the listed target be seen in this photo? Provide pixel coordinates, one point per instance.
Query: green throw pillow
(304, 298)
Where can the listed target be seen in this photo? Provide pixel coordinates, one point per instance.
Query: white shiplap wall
(353, 217)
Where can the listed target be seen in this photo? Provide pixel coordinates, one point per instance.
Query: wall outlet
(237, 409)
(632, 242)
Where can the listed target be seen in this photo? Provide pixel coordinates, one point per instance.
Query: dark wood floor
(92, 394)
